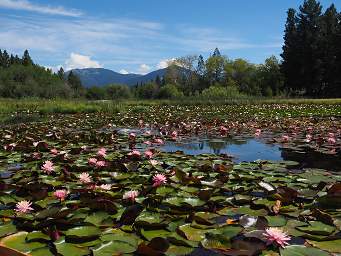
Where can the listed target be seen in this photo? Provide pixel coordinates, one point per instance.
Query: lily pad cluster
(85, 188)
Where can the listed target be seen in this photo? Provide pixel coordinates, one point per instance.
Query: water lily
(258, 132)
(100, 164)
(92, 161)
(153, 162)
(84, 177)
(105, 186)
(276, 236)
(23, 206)
(131, 195)
(331, 140)
(308, 138)
(159, 179)
(148, 154)
(54, 151)
(285, 138)
(174, 135)
(102, 152)
(135, 153)
(60, 194)
(132, 136)
(158, 141)
(48, 167)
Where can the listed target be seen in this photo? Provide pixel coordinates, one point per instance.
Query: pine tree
(329, 45)
(290, 52)
(74, 82)
(216, 52)
(309, 47)
(26, 59)
(61, 73)
(5, 59)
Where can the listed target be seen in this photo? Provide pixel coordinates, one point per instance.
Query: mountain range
(102, 77)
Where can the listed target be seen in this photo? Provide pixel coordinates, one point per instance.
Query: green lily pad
(83, 231)
(299, 250)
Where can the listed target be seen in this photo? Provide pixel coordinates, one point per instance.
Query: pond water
(251, 149)
(240, 149)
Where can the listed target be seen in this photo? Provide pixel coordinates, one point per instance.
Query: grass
(45, 106)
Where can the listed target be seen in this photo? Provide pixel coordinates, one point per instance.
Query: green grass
(43, 106)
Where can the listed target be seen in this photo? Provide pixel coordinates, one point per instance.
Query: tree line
(310, 66)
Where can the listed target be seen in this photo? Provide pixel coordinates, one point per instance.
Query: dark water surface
(251, 149)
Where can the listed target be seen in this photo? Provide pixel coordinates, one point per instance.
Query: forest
(309, 66)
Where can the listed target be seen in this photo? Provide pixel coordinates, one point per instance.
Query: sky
(135, 36)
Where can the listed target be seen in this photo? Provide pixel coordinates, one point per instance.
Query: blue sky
(139, 36)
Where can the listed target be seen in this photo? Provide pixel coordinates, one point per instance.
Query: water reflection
(241, 149)
(251, 149)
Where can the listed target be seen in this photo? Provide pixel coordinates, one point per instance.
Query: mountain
(101, 77)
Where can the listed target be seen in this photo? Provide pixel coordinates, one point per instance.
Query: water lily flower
(153, 162)
(105, 186)
(60, 194)
(48, 167)
(276, 236)
(223, 130)
(148, 132)
(331, 140)
(174, 135)
(84, 177)
(54, 151)
(131, 195)
(135, 153)
(148, 154)
(159, 179)
(132, 136)
(100, 164)
(102, 152)
(285, 138)
(23, 207)
(308, 138)
(36, 155)
(92, 161)
(147, 142)
(158, 141)
(258, 132)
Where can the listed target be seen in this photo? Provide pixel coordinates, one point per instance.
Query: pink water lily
(308, 138)
(60, 194)
(147, 142)
(23, 207)
(174, 135)
(131, 195)
(100, 164)
(148, 154)
(331, 140)
(132, 136)
(84, 177)
(223, 130)
(105, 186)
(158, 141)
(159, 179)
(102, 152)
(285, 138)
(48, 167)
(135, 153)
(258, 132)
(153, 162)
(276, 236)
(92, 161)
(54, 151)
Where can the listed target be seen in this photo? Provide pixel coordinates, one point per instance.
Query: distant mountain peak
(102, 77)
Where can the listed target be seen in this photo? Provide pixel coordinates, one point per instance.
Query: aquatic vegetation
(83, 185)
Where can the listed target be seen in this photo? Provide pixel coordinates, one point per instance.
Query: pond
(251, 149)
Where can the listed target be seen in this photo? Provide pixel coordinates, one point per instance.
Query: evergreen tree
(216, 52)
(309, 47)
(290, 52)
(26, 59)
(61, 73)
(158, 80)
(5, 59)
(74, 82)
(329, 44)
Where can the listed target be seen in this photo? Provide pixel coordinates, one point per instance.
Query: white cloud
(80, 61)
(46, 9)
(164, 63)
(144, 69)
(124, 72)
